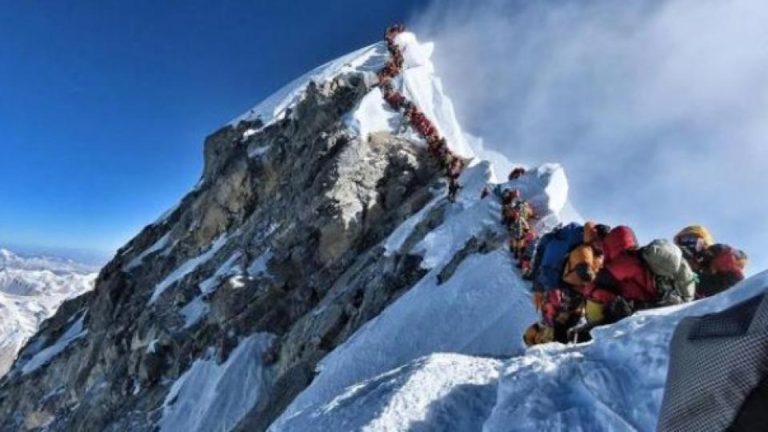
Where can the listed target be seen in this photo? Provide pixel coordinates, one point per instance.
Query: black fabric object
(718, 370)
(712, 284)
(753, 415)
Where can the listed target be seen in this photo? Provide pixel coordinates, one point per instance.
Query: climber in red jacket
(625, 284)
(394, 98)
(722, 267)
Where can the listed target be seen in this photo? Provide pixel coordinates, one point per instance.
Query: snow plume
(656, 109)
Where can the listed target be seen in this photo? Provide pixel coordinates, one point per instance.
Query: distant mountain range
(31, 289)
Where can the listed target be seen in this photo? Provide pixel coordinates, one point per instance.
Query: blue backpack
(555, 247)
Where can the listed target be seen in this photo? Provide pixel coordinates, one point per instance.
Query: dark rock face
(281, 236)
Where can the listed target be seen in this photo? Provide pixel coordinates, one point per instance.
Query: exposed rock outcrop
(279, 237)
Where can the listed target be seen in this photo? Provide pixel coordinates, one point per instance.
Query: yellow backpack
(582, 261)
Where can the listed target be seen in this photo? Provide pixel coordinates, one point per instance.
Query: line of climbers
(583, 275)
(451, 164)
(589, 275)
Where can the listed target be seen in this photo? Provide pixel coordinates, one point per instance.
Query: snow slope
(614, 383)
(31, 289)
(213, 397)
(481, 310)
(448, 355)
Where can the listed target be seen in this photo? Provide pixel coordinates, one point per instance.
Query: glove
(621, 308)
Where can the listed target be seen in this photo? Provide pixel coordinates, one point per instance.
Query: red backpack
(725, 259)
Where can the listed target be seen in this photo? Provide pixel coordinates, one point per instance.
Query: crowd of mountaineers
(451, 164)
(583, 275)
(589, 275)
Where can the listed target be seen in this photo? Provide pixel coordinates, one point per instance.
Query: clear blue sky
(104, 105)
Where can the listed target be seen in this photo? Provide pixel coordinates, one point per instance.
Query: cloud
(658, 110)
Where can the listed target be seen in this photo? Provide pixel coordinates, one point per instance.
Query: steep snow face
(74, 332)
(481, 309)
(417, 396)
(31, 289)
(616, 382)
(213, 397)
(368, 60)
(419, 83)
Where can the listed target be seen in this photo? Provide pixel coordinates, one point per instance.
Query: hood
(619, 240)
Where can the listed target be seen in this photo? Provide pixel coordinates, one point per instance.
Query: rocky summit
(273, 260)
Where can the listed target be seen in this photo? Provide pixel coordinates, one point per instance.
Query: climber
(519, 226)
(722, 266)
(586, 260)
(674, 278)
(560, 306)
(508, 199)
(552, 252)
(435, 144)
(508, 196)
(455, 168)
(527, 247)
(581, 268)
(625, 284)
(446, 158)
(394, 98)
(561, 311)
(392, 33)
(397, 59)
(453, 189)
(694, 240)
(516, 173)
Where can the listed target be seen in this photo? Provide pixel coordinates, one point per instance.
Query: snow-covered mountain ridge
(31, 290)
(317, 278)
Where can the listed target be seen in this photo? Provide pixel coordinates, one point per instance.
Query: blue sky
(656, 109)
(104, 105)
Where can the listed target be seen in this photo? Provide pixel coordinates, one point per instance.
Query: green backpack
(675, 280)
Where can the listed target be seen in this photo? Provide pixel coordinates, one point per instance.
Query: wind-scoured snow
(368, 59)
(482, 309)
(420, 84)
(198, 307)
(74, 332)
(373, 114)
(230, 267)
(188, 267)
(214, 397)
(161, 244)
(194, 311)
(418, 396)
(259, 265)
